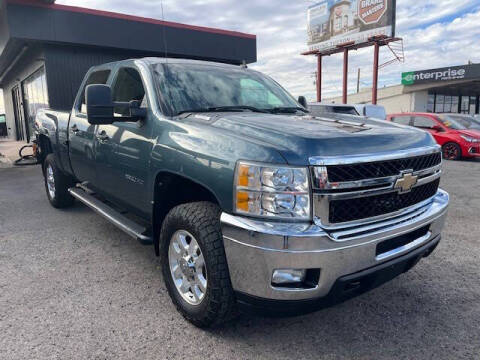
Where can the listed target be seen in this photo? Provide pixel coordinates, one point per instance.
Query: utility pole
(358, 81)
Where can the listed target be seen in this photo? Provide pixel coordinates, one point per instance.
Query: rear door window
(402, 120)
(423, 122)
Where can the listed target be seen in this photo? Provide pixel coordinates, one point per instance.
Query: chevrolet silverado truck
(250, 202)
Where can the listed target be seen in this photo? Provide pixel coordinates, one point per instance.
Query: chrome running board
(123, 223)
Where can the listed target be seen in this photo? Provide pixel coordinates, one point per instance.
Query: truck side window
(128, 87)
(423, 122)
(402, 120)
(97, 77)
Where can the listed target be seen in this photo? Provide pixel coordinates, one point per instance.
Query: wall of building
(66, 67)
(420, 101)
(85, 27)
(393, 98)
(32, 60)
(397, 104)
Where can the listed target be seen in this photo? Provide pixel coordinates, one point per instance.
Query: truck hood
(470, 132)
(298, 138)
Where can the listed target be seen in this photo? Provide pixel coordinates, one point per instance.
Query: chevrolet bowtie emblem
(406, 182)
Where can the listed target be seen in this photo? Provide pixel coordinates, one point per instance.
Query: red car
(459, 135)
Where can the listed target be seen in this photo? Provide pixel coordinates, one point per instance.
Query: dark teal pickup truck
(250, 202)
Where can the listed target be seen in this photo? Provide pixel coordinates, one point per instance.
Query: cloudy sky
(436, 33)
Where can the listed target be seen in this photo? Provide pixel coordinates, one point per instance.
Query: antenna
(164, 34)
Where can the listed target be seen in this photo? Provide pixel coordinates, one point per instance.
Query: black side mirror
(99, 104)
(101, 108)
(303, 101)
(437, 128)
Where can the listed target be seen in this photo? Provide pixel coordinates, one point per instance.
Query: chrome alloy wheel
(50, 182)
(187, 267)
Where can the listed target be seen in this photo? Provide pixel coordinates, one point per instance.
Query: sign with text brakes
(464, 72)
(335, 22)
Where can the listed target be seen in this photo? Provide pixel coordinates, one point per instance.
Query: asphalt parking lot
(72, 286)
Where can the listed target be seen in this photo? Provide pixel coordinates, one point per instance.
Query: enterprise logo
(410, 78)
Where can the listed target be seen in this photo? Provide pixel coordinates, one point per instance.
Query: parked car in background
(459, 135)
(369, 110)
(3, 125)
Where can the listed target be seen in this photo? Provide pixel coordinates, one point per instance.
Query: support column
(345, 75)
(375, 73)
(319, 78)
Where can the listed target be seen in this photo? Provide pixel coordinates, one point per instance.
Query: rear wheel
(451, 151)
(56, 184)
(194, 265)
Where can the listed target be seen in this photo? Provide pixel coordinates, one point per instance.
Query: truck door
(82, 135)
(124, 148)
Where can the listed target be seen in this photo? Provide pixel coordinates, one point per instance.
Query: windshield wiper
(287, 110)
(224, 108)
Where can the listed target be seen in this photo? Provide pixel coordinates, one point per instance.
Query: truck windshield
(199, 87)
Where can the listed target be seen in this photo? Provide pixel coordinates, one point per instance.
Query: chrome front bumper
(254, 249)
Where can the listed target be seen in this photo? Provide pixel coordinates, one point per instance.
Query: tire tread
(63, 182)
(204, 219)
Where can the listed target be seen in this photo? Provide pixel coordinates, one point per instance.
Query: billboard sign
(335, 22)
(464, 72)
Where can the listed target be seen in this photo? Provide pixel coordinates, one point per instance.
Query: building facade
(454, 89)
(46, 49)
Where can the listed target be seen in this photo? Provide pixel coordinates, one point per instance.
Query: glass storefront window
(431, 103)
(35, 96)
(447, 106)
(439, 103)
(473, 105)
(454, 104)
(465, 104)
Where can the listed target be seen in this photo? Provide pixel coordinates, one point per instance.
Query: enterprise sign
(443, 74)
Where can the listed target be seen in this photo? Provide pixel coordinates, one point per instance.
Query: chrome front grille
(346, 210)
(374, 189)
(379, 169)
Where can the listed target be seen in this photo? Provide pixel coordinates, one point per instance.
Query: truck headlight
(271, 191)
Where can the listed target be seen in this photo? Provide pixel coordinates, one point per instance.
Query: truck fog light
(288, 276)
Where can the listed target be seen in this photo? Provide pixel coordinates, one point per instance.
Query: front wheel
(451, 151)
(194, 265)
(56, 184)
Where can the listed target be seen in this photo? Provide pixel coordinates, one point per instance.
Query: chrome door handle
(102, 136)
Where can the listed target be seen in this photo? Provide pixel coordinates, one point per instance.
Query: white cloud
(280, 27)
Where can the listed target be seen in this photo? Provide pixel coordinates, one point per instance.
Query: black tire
(202, 220)
(452, 151)
(61, 197)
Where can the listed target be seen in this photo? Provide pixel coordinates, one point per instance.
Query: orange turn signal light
(243, 175)
(242, 201)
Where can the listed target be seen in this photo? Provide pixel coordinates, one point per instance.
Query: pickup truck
(251, 203)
